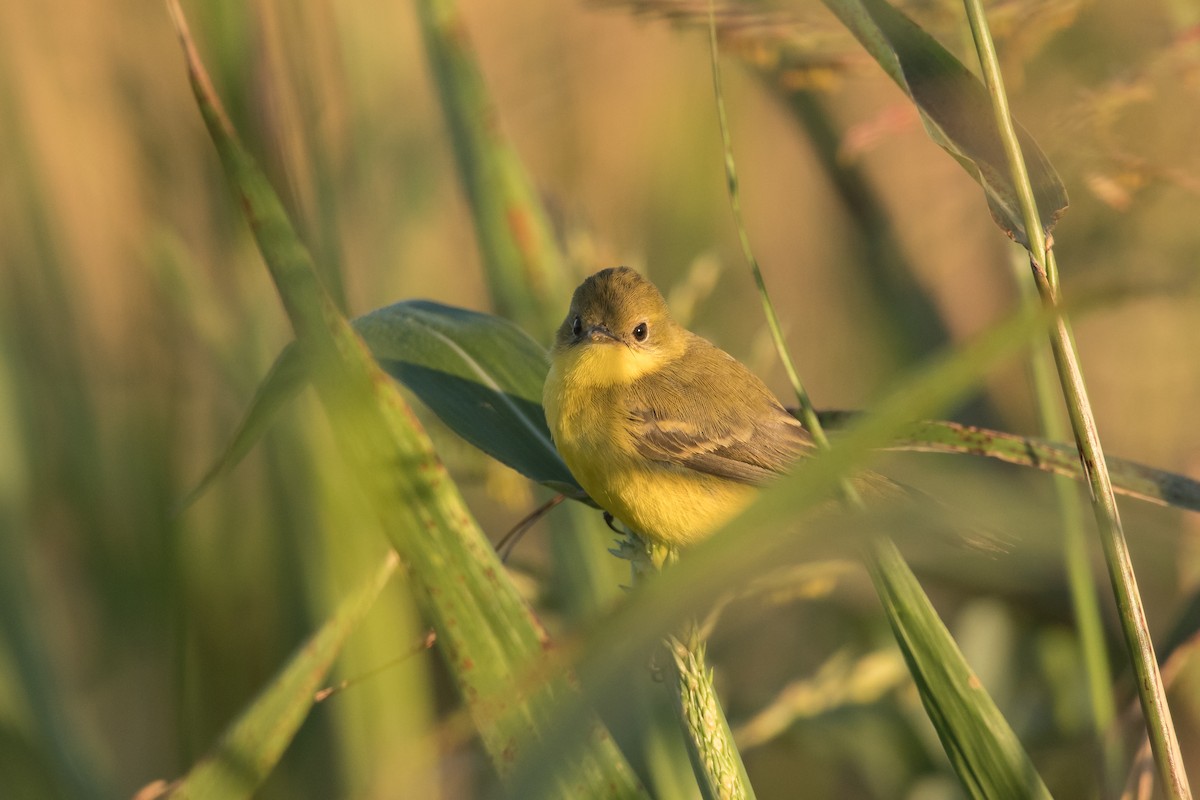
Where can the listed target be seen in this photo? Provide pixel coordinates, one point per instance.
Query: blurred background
(136, 320)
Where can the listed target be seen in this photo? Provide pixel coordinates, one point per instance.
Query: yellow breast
(585, 403)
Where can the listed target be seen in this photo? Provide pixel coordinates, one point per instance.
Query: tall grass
(136, 321)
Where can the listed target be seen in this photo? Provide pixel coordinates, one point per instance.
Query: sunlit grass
(135, 322)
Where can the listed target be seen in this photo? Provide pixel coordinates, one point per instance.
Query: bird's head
(618, 328)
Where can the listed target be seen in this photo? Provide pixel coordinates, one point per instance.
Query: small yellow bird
(665, 431)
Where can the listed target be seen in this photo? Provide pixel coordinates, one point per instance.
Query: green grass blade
(1129, 478)
(955, 109)
(249, 749)
(490, 641)
(1085, 599)
(480, 374)
(983, 749)
(286, 378)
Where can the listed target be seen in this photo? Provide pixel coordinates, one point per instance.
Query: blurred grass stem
(735, 202)
(1084, 598)
(1151, 691)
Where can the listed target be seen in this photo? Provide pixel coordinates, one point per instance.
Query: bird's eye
(577, 325)
(641, 332)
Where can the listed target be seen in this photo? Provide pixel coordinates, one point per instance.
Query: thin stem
(1132, 615)
(1151, 692)
(1084, 598)
(807, 415)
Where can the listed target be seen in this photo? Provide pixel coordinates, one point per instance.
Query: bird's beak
(600, 333)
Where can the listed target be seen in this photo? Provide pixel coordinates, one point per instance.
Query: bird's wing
(749, 452)
(750, 442)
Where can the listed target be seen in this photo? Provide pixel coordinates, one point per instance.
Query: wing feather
(749, 441)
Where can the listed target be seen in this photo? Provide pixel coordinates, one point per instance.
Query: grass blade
(983, 749)
(954, 108)
(1151, 691)
(487, 635)
(1085, 603)
(249, 749)
(481, 374)
(1129, 478)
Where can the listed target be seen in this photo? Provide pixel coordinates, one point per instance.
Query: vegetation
(154, 631)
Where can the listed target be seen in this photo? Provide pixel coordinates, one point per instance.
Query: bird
(664, 430)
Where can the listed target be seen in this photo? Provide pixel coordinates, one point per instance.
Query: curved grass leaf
(483, 376)
(1129, 478)
(249, 749)
(983, 749)
(287, 376)
(487, 636)
(956, 111)
(480, 374)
